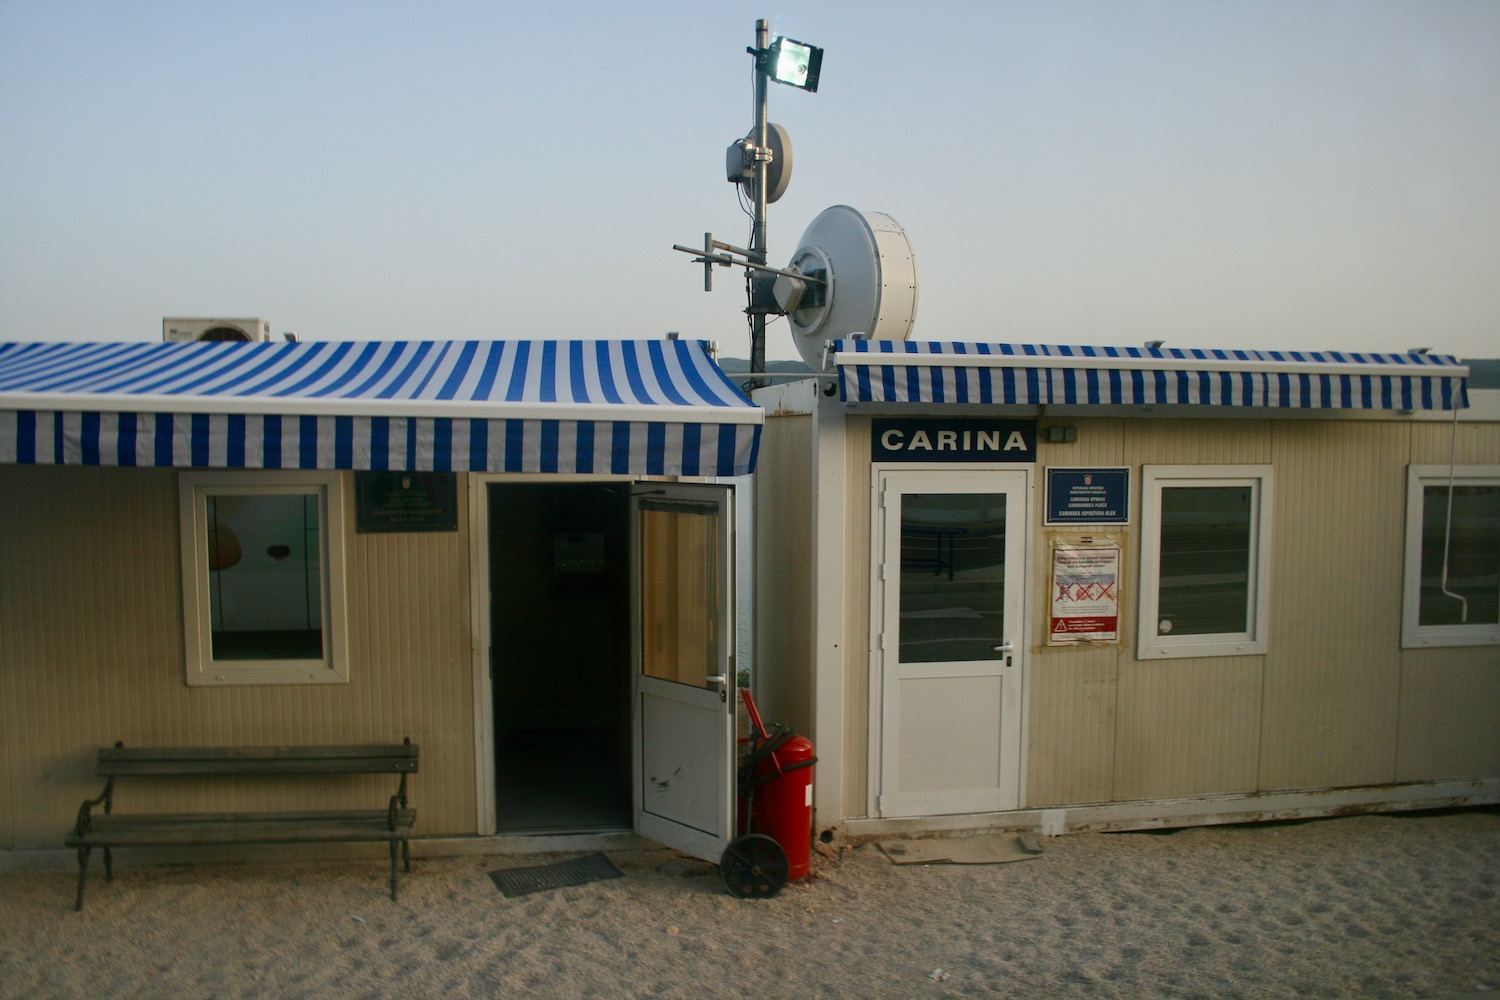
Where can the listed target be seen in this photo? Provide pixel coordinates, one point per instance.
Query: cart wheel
(753, 867)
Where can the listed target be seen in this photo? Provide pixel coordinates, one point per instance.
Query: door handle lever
(1005, 647)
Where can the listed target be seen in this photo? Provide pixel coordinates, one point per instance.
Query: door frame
(486, 823)
(1025, 647)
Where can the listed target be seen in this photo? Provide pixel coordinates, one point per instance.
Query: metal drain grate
(522, 881)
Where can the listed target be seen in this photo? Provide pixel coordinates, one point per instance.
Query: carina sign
(952, 439)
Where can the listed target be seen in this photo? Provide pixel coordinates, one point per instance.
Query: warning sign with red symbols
(1085, 592)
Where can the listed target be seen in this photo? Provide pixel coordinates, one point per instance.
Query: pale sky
(1312, 174)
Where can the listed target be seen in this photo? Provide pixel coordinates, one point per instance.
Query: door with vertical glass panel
(951, 640)
(683, 770)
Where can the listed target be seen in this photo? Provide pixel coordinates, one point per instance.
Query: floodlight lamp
(793, 63)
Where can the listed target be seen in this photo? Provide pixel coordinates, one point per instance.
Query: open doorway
(560, 655)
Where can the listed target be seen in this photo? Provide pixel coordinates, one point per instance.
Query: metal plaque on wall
(406, 501)
(1088, 496)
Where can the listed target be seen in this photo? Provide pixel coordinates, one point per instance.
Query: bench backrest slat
(398, 758)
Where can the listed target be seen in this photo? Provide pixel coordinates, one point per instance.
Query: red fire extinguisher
(777, 776)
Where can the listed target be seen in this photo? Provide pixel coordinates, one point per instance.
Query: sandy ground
(1369, 906)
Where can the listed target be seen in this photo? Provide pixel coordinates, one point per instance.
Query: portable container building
(507, 551)
(1018, 587)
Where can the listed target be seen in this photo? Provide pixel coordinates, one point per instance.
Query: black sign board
(406, 501)
(1088, 496)
(952, 439)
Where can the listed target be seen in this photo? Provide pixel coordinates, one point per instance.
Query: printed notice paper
(1085, 593)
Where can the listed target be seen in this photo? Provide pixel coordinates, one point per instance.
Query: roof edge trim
(1101, 363)
(410, 409)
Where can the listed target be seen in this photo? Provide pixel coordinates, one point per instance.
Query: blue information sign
(1088, 496)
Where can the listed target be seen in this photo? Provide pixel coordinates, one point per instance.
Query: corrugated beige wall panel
(1450, 698)
(1188, 727)
(8, 723)
(857, 617)
(410, 611)
(1196, 442)
(90, 621)
(784, 553)
(1332, 670)
(1071, 727)
(1450, 714)
(1072, 691)
(1472, 444)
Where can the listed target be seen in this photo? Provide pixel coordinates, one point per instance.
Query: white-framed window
(1205, 560)
(1451, 592)
(263, 577)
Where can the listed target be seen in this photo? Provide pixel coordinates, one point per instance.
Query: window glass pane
(265, 577)
(680, 597)
(952, 576)
(1205, 572)
(1473, 555)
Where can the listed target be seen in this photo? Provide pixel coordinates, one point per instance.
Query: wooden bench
(108, 830)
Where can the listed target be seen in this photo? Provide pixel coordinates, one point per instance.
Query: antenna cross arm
(810, 279)
(708, 258)
(705, 257)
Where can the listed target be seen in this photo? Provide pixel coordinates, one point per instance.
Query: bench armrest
(86, 811)
(398, 801)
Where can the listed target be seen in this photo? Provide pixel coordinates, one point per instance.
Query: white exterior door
(685, 691)
(950, 639)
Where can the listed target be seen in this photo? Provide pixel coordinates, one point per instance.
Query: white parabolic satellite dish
(871, 274)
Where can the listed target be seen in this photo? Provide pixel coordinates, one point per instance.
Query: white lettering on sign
(894, 440)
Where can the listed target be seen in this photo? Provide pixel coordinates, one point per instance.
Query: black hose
(748, 781)
(775, 740)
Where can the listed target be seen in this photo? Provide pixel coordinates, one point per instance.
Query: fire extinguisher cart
(775, 811)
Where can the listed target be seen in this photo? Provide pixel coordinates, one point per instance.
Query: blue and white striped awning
(906, 372)
(659, 407)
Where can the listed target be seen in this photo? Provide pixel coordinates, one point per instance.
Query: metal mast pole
(758, 225)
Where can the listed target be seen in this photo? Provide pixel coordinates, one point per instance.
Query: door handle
(718, 679)
(1005, 647)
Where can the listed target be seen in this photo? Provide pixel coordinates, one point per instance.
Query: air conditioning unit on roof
(191, 328)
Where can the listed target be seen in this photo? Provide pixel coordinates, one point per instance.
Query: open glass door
(683, 778)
